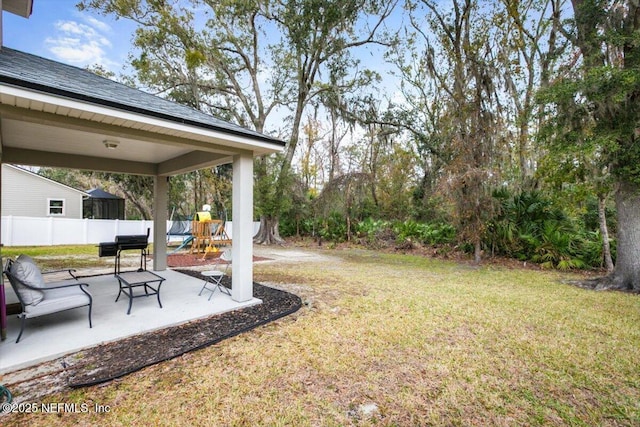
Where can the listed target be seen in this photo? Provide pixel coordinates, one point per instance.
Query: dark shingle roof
(98, 193)
(37, 73)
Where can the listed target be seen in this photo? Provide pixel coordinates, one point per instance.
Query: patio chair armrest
(65, 285)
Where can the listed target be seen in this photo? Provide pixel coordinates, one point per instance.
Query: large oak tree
(251, 60)
(599, 100)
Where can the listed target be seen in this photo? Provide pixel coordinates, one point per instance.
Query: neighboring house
(25, 193)
(103, 205)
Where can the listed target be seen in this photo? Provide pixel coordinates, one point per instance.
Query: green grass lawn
(427, 342)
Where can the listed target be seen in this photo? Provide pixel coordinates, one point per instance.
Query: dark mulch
(131, 354)
(188, 259)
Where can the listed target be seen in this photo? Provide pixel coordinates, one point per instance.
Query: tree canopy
(515, 123)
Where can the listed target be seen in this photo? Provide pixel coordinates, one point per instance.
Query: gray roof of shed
(33, 72)
(98, 193)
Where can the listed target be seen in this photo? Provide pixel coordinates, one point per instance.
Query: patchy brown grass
(427, 342)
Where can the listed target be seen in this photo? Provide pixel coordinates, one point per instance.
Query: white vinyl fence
(34, 231)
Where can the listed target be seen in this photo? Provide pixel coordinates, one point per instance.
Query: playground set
(201, 235)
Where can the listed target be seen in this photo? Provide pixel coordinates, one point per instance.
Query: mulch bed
(131, 354)
(190, 260)
(113, 360)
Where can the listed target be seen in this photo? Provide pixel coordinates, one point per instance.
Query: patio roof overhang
(18, 7)
(42, 129)
(52, 114)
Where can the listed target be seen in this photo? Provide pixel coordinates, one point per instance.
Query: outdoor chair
(38, 298)
(213, 278)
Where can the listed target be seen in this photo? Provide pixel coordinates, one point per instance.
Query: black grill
(134, 241)
(124, 243)
(108, 249)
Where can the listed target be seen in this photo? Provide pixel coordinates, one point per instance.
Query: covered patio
(56, 115)
(49, 337)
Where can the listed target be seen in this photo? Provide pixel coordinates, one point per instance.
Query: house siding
(27, 194)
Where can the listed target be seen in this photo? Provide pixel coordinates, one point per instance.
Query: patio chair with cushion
(214, 277)
(38, 298)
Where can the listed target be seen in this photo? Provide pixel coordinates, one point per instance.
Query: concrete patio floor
(55, 335)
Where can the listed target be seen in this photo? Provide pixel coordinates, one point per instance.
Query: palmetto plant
(557, 247)
(530, 227)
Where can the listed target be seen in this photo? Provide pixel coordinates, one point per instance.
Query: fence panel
(34, 231)
(64, 231)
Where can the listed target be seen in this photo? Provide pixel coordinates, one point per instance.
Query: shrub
(531, 227)
(333, 228)
(379, 232)
(557, 248)
(437, 234)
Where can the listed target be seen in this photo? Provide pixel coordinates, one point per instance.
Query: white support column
(242, 240)
(160, 199)
(3, 298)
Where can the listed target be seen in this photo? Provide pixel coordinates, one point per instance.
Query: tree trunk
(604, 232)
(626, 274)
(268, 233)
(144, 211)
(477, 250)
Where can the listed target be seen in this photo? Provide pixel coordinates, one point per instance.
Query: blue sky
(57, 30)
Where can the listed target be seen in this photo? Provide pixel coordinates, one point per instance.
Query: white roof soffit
(18, 7)
(72, 113)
